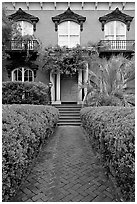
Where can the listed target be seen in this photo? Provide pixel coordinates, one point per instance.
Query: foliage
(63, 60)
(6, 26)
(25, 93)
(111, 131)
(25, 128)
(108, 80)
(6, 32)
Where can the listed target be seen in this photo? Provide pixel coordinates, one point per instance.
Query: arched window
(69, 34)
(115, 30)
(22, 74)
(25, 28)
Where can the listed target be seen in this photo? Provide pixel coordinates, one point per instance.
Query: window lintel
(116, 15)
(21, 15)
(68, 15)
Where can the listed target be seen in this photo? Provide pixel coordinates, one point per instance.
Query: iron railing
(22, 45)
(112, 45)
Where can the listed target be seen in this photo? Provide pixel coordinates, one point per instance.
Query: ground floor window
(22, 74)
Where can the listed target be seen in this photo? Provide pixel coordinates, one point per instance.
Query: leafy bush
(25, 128)
(111, 131)
(25, 93)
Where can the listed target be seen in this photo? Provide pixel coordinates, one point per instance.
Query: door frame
(56, 89)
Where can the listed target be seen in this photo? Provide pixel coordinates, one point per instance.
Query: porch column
(58, 89)
(52, 79)
(79, 89)
(85, 78)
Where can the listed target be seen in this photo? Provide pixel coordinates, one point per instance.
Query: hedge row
(25, 93)
(25, 128)
(111, 131)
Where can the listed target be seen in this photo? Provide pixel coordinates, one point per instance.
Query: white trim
(52, 79)
(23, 74)
(68, 35)
(58, 88)
(22, 69)
(79, 84)
(114, 24)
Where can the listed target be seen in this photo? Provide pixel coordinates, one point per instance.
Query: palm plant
(106, 86)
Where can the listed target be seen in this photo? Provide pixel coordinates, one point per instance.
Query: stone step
(68, 109)
(69, 123)
(69, 117)
(69, 114)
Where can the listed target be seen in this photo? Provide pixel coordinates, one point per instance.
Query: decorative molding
(68, 15)
(116, 15)
(41, 5)
(27, 3)
(14, 5)
(96, 5)
(109, 5)
(68, 4)
(21, 15)
(82, 5)
(123, 5)
(55, 5)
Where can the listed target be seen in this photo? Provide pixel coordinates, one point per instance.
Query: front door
(69, 88)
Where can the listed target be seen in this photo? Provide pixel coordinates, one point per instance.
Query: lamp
(50, 85)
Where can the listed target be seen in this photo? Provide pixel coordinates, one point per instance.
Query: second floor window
(68, 34)
(115, 30)
(22, 74)
(25, 28)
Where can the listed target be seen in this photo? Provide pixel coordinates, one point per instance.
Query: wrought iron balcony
(20, 45)
(116, 45)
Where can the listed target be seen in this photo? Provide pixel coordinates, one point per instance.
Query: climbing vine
(64, 60)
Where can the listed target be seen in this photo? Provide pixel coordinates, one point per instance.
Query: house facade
(109, 24)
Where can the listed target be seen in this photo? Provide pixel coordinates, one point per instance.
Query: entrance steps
(69, 114)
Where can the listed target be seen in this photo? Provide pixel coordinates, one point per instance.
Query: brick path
(66, 171)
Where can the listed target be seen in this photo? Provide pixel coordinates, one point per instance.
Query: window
(25, 28)
(69, 34)
(22, 74)
(116, 30)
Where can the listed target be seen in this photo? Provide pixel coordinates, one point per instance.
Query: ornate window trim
(68, 15)
(116, 15)
(21, 15)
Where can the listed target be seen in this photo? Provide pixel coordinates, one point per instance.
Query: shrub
(25, 128)
(25, 93)
(111, 131)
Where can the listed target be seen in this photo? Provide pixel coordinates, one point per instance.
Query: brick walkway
(66, 171)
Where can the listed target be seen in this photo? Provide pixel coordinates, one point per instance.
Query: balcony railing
(22, 45)
(116, 45)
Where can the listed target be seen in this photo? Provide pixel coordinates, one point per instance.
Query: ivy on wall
(64, 60)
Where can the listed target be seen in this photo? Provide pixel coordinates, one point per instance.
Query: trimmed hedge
(111, 131)
(25, 93)
(25, 128)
